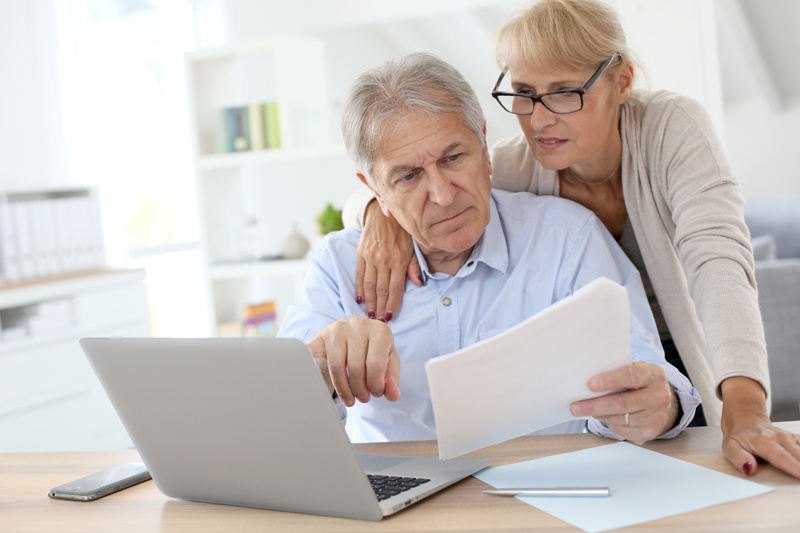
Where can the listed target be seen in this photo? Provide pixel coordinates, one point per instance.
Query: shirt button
(446, 302)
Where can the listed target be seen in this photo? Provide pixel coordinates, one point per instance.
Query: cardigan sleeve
(690, 172)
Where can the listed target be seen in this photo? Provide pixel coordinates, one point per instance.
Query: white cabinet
(249, 198)
(50, 398)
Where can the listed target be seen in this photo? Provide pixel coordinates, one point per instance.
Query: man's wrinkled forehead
(401, 151)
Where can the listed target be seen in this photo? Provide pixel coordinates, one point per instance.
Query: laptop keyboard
(388, 486)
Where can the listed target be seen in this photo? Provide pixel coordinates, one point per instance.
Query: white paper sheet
(645, 485)
(525, 379)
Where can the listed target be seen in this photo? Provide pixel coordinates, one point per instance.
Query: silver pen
(574, 492)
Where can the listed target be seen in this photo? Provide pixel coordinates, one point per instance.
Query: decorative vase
(294, 245)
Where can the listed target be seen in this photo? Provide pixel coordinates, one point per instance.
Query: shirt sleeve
(597, 254)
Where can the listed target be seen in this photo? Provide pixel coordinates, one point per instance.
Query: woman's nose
(541, 117)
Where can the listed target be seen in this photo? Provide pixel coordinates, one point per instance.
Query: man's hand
(385, 256)
(644, 409)
(358, 359)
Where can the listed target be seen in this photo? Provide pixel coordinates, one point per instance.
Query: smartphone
(102, 483)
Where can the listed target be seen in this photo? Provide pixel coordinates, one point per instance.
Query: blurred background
(205, 132)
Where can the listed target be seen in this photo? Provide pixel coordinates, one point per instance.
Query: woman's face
(581, 140)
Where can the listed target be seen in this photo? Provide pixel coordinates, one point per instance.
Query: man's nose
(441, 189)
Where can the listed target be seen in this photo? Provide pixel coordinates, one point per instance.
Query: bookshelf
(248, 199)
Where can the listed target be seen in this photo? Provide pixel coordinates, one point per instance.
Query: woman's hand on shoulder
(385, 257)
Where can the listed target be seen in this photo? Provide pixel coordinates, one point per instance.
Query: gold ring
(626, 419)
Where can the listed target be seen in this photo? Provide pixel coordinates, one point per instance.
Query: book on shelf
(255, 126)
(25, 245)
(9, 258)
(236, 121)
(259, 320)
(272, 124)
(255, 118)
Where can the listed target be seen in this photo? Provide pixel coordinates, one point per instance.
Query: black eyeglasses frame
(580, 91)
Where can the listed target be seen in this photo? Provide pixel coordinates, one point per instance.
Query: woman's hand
(645, 407)
(385, 256)
(748, 433)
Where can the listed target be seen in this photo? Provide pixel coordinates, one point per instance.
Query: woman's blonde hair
(563, 35)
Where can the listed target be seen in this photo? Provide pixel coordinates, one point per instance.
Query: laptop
(249, 422)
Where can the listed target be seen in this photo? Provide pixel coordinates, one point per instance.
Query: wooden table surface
(26, 477)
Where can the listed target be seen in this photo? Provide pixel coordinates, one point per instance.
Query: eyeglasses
(561, 102)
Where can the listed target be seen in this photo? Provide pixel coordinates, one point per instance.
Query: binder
(9, 259)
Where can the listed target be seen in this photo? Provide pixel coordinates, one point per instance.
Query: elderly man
(490, 259)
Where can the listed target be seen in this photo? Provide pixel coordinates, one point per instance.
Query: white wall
(676, 42)
(764, 149)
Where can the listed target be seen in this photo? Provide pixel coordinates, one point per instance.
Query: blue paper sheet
(645, 485)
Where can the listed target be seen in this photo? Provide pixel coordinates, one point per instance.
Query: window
(126, 127)
(125, 117)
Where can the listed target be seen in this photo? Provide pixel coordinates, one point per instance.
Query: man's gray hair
(418, 82)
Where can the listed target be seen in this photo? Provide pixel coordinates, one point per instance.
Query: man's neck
(448, 263)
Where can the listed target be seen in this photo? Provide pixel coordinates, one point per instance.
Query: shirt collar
(491, 249)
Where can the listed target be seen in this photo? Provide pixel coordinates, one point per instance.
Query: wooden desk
(26, 477)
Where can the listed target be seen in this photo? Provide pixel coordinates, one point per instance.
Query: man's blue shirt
(534, 251)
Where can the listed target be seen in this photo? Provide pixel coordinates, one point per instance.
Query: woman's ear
(625, 78)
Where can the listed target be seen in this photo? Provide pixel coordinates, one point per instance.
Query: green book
(272, 130)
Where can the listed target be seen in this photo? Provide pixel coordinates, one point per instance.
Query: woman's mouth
(550, 143)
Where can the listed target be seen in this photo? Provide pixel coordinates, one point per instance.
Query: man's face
(433, 176)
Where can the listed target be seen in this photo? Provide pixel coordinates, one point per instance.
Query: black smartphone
(102, 483)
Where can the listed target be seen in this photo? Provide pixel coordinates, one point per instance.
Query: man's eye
(408, 177)
(453, 157)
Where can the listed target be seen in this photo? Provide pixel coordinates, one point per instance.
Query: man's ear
(377, 195)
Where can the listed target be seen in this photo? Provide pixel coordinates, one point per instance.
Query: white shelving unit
(50, 398)
(248, 200)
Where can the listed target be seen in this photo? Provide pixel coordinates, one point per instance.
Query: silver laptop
(250, 422)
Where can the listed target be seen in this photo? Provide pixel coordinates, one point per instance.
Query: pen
(579, 492)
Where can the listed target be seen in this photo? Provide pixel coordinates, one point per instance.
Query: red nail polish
(371, 314)
(748, 468)
(421, 279)
(382, 319)
(389, 316)
(359, 299)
